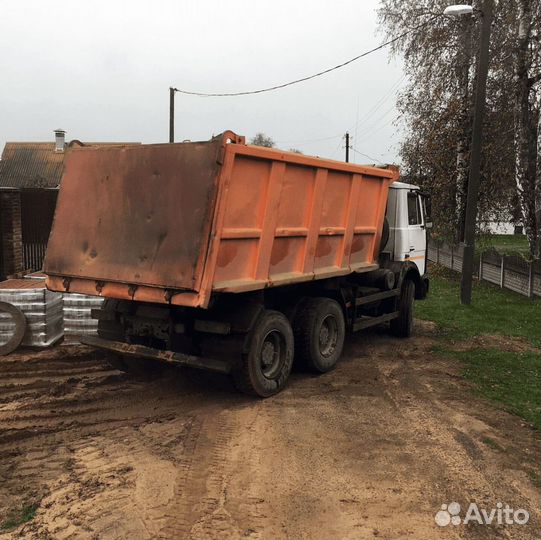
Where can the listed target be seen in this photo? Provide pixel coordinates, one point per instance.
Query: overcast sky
(101, 71)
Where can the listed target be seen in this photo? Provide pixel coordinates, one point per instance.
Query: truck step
(361, 300)
(366, 322)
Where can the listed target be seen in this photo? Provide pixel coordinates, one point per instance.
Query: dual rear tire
(315, 337)
(320, 330)
(267, 356)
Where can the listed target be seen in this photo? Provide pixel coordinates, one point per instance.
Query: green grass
(492, 311)
(506, 244)
(19, 516)
(492, 443)
(512, 379)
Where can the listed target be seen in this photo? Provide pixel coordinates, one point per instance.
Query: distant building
(501, 223)
(30, 175)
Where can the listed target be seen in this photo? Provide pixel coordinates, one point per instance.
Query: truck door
(416, 231)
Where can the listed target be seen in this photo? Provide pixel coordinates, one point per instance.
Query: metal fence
(508, 271)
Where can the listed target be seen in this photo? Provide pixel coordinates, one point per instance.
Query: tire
(402, 326)
(20, 328)
(319, 329)
(268, 356)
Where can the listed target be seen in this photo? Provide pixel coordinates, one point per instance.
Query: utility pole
(347, 147)
(171, 114)
(475, 159)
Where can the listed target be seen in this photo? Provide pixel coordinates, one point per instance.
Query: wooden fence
(508, 271)
(37, 211)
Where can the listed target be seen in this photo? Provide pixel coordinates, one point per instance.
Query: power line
(368, 134)
(376, 123)
(337, 148)
(368, 127)
(365, 155)
(393, 90)
(302, 79)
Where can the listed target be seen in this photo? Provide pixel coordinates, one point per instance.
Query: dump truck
(235, 258)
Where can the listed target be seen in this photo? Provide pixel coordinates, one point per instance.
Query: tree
(260, 139)
(526, 123)
(295, 150)
(464, 124)
(437, 108)
(537, 193)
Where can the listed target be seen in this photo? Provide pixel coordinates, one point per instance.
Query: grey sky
(101, 71)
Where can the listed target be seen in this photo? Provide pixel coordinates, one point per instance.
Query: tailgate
(137, 214)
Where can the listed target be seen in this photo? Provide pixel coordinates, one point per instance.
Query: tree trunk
(464, 127)
(525, 169)
(537, 189)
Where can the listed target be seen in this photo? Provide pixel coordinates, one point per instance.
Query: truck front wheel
(402, 326)
(267, 357)
(319, 329)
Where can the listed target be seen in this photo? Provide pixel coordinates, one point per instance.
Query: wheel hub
(267, 354)
(328, 336)
(271, 354)
(323, 335)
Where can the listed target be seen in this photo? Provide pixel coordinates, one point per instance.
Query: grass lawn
(508, 377)
(506, 244)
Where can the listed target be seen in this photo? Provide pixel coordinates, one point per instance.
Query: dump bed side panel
(286, 218)
(135, 215)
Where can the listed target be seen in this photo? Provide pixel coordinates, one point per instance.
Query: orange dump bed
(171, 223)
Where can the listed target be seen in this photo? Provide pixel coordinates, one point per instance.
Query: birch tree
(537, 192)
(436, 108)
(526, 124)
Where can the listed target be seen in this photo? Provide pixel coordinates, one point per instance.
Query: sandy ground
(371, 450)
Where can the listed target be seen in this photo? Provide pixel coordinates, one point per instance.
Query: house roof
(34, 164)
(30, 165)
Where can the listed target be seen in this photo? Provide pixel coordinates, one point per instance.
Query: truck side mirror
(428, 225)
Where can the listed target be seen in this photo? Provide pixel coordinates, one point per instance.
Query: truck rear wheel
(319, 329)
(402, 326)
(268, 356)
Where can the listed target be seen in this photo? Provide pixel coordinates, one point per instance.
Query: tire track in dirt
(114, 446)
(369, 450)
(40, 409)
(202, 506)
(453, 449)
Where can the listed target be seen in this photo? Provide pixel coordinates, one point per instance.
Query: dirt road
(371, 450)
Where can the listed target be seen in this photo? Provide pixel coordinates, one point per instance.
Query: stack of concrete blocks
(42, 310)
(76, 313)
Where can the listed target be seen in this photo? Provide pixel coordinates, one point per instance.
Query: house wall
(11, 232)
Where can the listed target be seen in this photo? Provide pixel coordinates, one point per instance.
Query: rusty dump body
(173, 223)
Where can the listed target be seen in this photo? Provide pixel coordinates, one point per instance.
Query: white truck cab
(408, 222)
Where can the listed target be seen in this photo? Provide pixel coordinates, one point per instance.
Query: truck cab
(408, 220)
